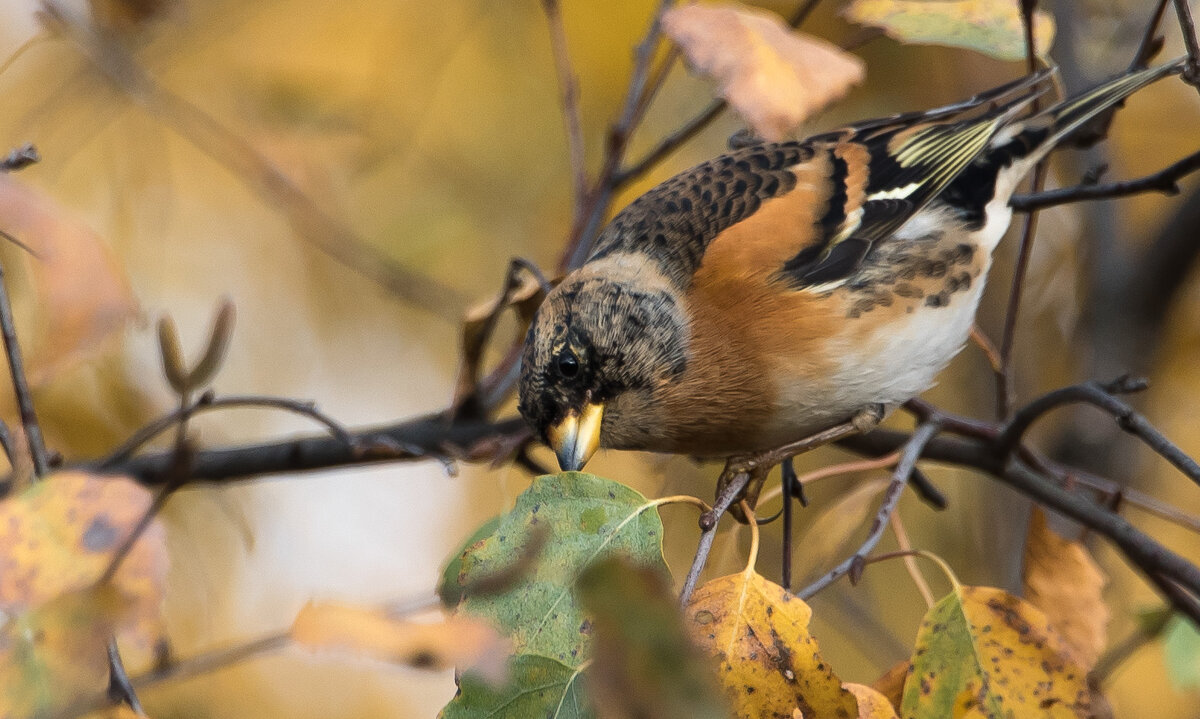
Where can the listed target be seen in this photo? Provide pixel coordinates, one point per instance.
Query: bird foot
(756, 466)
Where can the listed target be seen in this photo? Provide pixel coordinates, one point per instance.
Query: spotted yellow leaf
(768, 663)
(982, 652)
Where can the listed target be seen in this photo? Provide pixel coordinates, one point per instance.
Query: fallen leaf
(982, 652)
(590, 519)
(81, 295)
(773, 76)
(643, 665)
(768, 662)
(871, 704)
(992, 27)
(454, 642)
(1062, 580)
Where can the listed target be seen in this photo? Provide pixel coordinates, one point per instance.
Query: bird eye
(568, 364)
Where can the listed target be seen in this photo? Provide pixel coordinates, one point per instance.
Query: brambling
(784, 288)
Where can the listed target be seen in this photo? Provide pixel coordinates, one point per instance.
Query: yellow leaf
(992, 27)
(1062, 580)
(982, 652)
(871, 704)
(774, 77)
(59, 536)
(460, 642)
(81, 294)
(769, 664)
(56, 652)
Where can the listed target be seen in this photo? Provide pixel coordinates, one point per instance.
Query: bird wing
(844, 191)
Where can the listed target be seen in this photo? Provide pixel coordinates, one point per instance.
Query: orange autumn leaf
(774, 77)
(81, 296)
(453, 642)
(1063, 580)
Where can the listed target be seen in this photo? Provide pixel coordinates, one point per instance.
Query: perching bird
(781, 288)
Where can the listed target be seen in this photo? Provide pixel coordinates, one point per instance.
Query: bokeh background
(433, 130)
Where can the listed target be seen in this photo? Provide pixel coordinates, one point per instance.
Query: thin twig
(208, 403)
(910, 561)
(184, 669)
(708, 531)
(1191, 71)
(1151, 42)
(1005, 392)
(568, 83)
(120, 689)
(1165, 181)
(908, 459)
(1101, 396)
(1144, 553)
(16, 367)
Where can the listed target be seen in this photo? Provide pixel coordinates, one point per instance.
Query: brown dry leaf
(768, 662)
(81, 294)
(871, 704)
(1062, 580)
(524, 293)
(56, 539)
(462, 642)
(992, 27)
(891, 684)
(774, 77)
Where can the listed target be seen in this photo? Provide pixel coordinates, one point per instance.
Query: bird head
(608, 335)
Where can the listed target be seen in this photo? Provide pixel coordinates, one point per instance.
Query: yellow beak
(576, 437)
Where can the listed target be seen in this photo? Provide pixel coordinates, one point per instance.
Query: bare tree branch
(1165, 181)
(16, 367)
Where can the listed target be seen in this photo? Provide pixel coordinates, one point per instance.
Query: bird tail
(1049, 127)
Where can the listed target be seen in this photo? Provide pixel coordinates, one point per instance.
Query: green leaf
(449, 589)
(539, 687)
(643, 664)
(583, 519)
(1181, 647)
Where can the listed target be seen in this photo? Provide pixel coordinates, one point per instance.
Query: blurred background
(433, 132)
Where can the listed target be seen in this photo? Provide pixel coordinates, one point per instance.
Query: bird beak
(576, 437)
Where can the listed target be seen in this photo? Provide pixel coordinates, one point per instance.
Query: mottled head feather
(623, 324)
